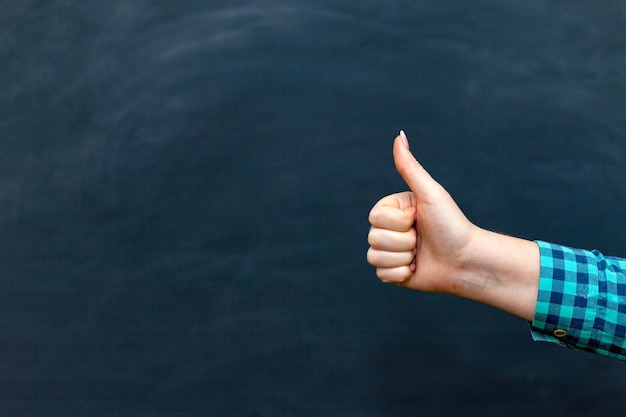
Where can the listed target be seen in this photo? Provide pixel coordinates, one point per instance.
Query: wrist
(501, 271)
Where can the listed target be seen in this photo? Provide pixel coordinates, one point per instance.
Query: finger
(384, 259)
(401, 200)
(416, 177)
(396, 275)
(394, 212)
(392, 241)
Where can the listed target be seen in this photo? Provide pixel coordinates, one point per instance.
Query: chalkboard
(185, 186)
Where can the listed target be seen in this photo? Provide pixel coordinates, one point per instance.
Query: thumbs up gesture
(418, 238)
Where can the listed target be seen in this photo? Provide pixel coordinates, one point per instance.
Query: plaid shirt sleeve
(581, 303)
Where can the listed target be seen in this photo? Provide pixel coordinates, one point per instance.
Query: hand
(420, 238)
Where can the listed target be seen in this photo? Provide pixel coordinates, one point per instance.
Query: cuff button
(560, 333)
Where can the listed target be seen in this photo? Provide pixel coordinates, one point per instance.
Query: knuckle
(373, 238)
(374, 216)
(396, 276)
(384, 276)
(372, 257)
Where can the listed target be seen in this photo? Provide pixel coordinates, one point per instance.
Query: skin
(421, 240)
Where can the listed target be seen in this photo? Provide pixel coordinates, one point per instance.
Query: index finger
(394, 212)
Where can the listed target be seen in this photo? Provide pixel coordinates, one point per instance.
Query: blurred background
(184, 191)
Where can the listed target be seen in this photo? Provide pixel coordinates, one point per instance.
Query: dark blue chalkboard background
(184, 190)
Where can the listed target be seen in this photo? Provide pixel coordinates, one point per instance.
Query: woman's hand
(420, 239)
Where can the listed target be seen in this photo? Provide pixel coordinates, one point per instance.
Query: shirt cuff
(567, 300)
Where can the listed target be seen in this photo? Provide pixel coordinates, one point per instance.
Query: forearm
(421, 240)
(500, 271)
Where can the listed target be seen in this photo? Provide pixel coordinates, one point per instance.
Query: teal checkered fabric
(581, 303)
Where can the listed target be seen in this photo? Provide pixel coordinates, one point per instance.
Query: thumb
(416, 177)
